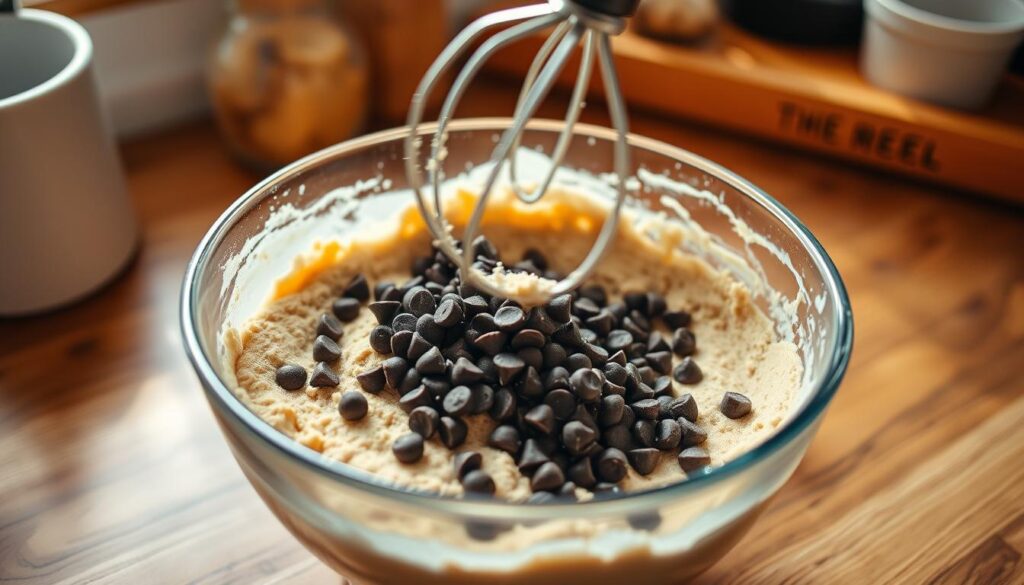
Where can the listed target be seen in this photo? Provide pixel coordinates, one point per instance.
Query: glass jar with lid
(287, 79)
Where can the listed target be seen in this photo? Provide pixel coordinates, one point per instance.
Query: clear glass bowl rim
(224, 400)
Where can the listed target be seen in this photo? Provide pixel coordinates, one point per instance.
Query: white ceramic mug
(66, 223)
(949, 52)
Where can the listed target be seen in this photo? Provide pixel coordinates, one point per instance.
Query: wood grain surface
(113, 471)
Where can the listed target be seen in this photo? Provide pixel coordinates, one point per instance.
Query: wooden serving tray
(815, 98)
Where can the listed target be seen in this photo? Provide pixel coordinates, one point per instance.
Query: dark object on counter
(810, 22)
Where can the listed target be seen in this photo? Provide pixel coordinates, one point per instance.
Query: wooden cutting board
(814, 98)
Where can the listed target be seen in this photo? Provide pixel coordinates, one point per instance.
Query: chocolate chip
(735, 405)
(528, 338)
(419, 301)
(613, 388)
(618, 436)
(628, 418)
(619, 357)
(635, 301)
(483, 248)
(505, 438)
(458, 401)
(684, 343)
(357, 288)
(548, 477)
(581, 473)
(452, 432)
(662, 386)
(560, 308)
(431, 362)
(400, 343)
(687, 372)
(509, 318)
(586, 384)
(345, 309)
(644, 460)
(323, 376)
(568, 335)
(643, 432)
(531, 386)
(531, 356)
(536, 257)
(408, 448)
(541, 418)
(656, 342)
(597, 354)
(676, 319)
(556, 377)
(532, 456)
(404, 322)
(372, 380)
(417, 397)
(538, 319)
(655, 304)
(353, 405)
(691, 433)
(410, 382)
(648, 408)
(576, 437)
(660, 361)
(585, 308)
(423, 420)
(641, 392)
(483, 398)
(325, 349)
(647, 375)
(329, 325)
(465, 462)
(693, 458)
(395, 369)
(491, 343)
(483, 323)
(509, 366)
(594, 292)
(611, 465)
(392, 293)
(638, 331)
(473, 306)
(611, 410)
(618, 340)
(290, 376)
(615, 373)
(449, 314)
(554, 355)
(437, 386)
(561, 402)
(478, 482)
(667, 435)
(684, 407)
(465, 372)
(577, 361)
(417, 347)
(384, 311)
(380, 339)
(601, 323)
(430, 330)
(381, 288)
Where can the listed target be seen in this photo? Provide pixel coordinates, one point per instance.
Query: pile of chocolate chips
(579, 388)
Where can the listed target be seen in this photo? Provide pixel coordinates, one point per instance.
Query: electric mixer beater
(591, 23)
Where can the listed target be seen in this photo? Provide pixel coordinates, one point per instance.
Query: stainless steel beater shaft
(591, 22)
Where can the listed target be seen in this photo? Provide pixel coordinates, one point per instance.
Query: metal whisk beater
(575, 22)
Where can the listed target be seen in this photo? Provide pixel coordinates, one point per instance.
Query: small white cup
(66, 224)
(950, 52)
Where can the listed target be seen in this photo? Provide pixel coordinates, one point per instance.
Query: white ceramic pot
(66, 224)
(949, 52)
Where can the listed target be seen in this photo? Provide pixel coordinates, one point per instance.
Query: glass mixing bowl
(374, 533)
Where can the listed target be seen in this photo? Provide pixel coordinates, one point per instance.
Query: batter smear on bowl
(374, 353)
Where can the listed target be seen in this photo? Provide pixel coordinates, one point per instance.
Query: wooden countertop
(113, 471)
